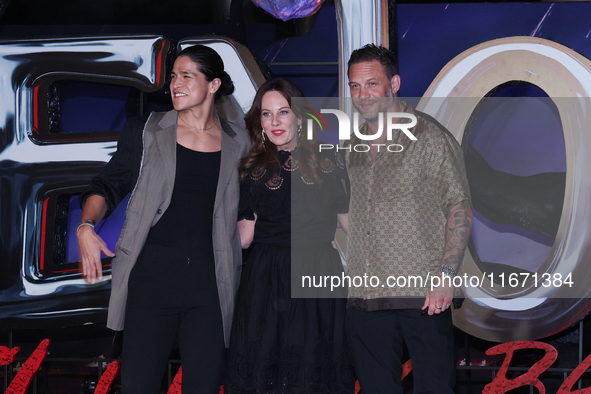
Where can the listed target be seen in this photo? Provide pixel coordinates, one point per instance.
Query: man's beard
(375, 107)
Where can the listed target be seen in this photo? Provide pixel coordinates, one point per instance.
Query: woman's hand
(89, 243)
(91, 246)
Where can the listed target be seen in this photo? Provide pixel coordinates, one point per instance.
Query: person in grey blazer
(177, 263)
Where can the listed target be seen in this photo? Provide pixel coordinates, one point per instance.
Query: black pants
(377, 340)
(172, 294)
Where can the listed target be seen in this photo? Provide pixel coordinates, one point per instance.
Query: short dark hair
(372, 52)
(211, 65)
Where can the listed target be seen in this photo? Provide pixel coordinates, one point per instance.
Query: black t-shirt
(188, 220)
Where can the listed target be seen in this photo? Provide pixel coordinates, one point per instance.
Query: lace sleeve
(245, 206)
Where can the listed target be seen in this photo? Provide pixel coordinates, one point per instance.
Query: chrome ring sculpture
(532, 311)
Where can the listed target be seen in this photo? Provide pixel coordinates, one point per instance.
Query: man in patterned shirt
(409, 221)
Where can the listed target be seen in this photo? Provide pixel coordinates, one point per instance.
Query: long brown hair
(263, 154)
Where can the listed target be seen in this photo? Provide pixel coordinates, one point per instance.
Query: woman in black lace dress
(291, 198)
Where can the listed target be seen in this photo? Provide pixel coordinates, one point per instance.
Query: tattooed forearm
(459, 223)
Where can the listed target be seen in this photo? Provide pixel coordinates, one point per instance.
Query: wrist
(87, 223)
(447, 271)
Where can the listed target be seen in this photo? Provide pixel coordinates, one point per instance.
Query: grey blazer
(150, 199)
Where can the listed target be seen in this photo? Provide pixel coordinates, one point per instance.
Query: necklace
(197, 128)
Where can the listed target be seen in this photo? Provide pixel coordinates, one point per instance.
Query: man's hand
(459, 223)
(440, 298)
(91, 246)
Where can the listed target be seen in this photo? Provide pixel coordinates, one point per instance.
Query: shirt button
(159, 211)
(368, 233)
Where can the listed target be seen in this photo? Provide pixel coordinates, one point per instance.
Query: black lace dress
(281, 344)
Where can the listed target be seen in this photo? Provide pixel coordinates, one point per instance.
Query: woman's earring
(299, 132)
(263, 135)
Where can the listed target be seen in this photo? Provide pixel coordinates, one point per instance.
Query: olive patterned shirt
(398, 213)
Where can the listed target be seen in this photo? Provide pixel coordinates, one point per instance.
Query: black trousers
(377, 340)
(172, 294)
